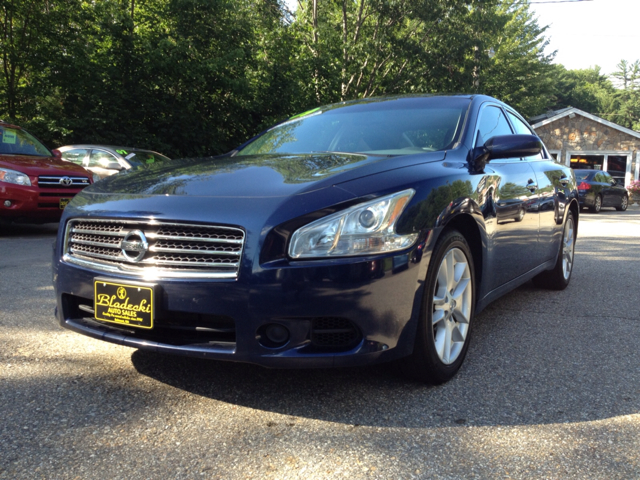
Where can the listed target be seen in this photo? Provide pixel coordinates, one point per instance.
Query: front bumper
(32, 203)
(343, 312)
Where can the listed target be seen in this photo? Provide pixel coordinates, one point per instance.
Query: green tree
(588, 89)
(627, 99)
(520, 72)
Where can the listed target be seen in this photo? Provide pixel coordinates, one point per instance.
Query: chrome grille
(62, 181)
(154, 249)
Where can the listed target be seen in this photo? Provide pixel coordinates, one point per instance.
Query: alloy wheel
(452, 298)
(568, 244)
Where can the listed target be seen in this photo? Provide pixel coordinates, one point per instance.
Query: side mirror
(57, 154)
(506, 146)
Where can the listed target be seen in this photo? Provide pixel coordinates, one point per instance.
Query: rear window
(15, 141)
(583, 175)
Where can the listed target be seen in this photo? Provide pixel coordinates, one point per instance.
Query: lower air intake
(334, 332)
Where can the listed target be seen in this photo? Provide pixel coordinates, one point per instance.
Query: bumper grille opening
(334, 333)
(173, 328)
(155, 249)
(62, 182)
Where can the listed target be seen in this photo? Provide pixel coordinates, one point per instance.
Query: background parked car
(35, 184)
(104, 160)
(597, 189)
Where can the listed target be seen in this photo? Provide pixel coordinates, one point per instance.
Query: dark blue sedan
(355, 233)
(597, 189)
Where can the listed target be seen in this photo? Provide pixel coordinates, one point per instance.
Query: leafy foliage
(199, 77)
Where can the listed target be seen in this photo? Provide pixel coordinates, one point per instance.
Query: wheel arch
(574, 206)
(468, 227)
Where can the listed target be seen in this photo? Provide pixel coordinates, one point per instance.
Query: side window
(523, 129)
(101, 159)
(492, 123)
(76, 155)
(519, 126)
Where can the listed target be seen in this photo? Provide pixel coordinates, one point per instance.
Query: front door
(513, 232)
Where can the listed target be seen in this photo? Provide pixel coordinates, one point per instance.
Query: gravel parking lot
(550, 389)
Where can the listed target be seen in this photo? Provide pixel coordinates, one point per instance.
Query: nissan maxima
(355, 233)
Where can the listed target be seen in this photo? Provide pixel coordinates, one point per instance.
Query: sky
(589, 33)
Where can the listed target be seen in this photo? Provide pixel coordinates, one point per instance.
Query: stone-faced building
(582, 140)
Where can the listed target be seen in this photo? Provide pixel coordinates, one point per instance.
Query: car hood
(36, 166)
(253, 176)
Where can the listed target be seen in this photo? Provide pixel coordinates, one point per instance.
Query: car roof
(386, 98)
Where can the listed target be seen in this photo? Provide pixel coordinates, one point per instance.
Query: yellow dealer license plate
(64, 202)
(130, 304)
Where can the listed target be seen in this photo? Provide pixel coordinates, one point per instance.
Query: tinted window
(582, 175)
(492, 123)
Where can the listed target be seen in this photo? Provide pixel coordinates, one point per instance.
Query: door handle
(532, 186)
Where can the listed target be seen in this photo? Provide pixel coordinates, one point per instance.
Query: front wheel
(624, 203)
(558, 278)
(442, 339)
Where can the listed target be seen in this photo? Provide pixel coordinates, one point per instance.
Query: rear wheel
(597, 205)
(558, 278)
(442, 339)
(624, 203)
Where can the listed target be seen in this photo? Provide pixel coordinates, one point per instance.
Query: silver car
(106, 160)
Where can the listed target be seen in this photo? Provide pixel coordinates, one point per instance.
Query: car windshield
(15, 141)
(392, 127)
(141, 157)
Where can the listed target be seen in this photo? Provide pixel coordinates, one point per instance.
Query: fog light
(7, 203)
(277, 334)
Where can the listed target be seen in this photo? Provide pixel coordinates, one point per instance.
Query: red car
(35, 183)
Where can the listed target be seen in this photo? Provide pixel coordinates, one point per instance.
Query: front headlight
(95, 177)
(11, 176)
(364, 229)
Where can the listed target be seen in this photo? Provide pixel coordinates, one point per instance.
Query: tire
(623, 204)
(597, 205)
(448, 305)
(558, 278)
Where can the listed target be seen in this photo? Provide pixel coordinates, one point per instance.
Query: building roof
(550, 117)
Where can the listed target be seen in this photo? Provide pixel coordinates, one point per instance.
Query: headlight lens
(95, 177)
(11, 176)
(364, 229)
